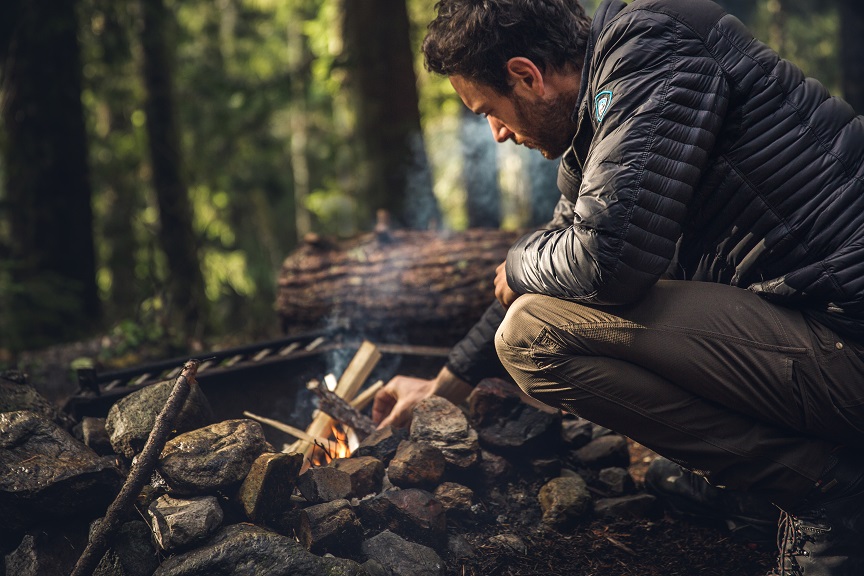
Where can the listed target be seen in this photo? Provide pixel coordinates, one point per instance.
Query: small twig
(296, 432)
(139, 475)
(621, 545)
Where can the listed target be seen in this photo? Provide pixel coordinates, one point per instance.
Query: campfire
(492, 487)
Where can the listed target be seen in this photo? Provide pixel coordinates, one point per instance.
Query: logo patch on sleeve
(602, 103)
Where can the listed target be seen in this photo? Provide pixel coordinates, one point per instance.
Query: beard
(548, 127)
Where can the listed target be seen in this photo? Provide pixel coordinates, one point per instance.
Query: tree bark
(408, 286)
(176, 235)
(53, 266)
(380, 62)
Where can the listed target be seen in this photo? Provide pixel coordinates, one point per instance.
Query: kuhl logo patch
(602, 103)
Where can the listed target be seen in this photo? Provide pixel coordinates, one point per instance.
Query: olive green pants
(749, 394)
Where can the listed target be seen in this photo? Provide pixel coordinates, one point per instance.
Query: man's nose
(499, 131)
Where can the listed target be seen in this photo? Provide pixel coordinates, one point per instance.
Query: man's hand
(395, 402)
(503, 293)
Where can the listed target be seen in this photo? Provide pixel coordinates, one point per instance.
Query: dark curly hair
(476, 38)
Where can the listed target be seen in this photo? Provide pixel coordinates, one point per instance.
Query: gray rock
(46, 474)
(382, 443)
(131, 553)
(412, 513)
(416, 465)
(504, 422)
(609, 451)
(130, 419)
(617, 481)
(95, 436)
(330, 527)
(178, 523)
(439, 422)
(636, 506)
(403, 558)
(212, 458)
(16, 396)
(324, 484)
(246, 550)
(494, 468)
(564, 500)
(576, 431)
(366, 472)
(456, 498)
(459, 547)
(47, 552)
(265, 494)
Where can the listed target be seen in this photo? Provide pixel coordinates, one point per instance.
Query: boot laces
(792, 537)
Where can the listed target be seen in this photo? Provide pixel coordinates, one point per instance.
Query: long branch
(140, 473)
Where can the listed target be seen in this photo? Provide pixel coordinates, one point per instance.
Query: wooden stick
(352, 379)
(296, 432)
(139, 474)
(364, 398)
(338, 409)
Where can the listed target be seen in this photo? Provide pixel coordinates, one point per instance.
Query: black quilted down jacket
(696, 139)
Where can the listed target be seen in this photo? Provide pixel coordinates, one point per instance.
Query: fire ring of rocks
(225, 501)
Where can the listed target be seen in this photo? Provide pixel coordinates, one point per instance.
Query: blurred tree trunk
(543, 178)
(381, 70)
(176, 235)
(120, 179)
(742, 9)
(479, 171)
(852, 52)
(54, 294)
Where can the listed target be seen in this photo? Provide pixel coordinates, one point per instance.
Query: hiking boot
(685, 493)
(825, 534)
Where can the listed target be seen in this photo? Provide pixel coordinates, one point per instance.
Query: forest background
(160, 158)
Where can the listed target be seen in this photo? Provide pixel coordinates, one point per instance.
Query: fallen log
(421, 287)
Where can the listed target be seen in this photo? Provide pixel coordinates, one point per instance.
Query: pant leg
(707, 375)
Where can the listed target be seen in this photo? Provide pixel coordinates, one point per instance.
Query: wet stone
(505, 423)
(636, 506)
(382, 444)
(564, 501)
(46, 474)
(609, 451)
(212, 458)
(412, 513)
(616, 481)
(416, 465)
(130, 419)
(402, 558)
(265, 494)
(459, 547)
(331, 527)
(324, 484)
(366, 472)
(441, 423)
(177, 523)
(16, 395)
(248, 550)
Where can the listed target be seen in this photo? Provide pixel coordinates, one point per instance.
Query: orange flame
(337, 447)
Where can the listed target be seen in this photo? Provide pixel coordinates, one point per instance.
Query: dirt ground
(665, 546)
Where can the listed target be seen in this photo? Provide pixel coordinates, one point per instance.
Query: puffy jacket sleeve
(668, 98)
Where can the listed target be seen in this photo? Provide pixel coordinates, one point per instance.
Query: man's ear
(523, 74)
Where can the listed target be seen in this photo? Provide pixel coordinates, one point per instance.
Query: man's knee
(519, 330)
